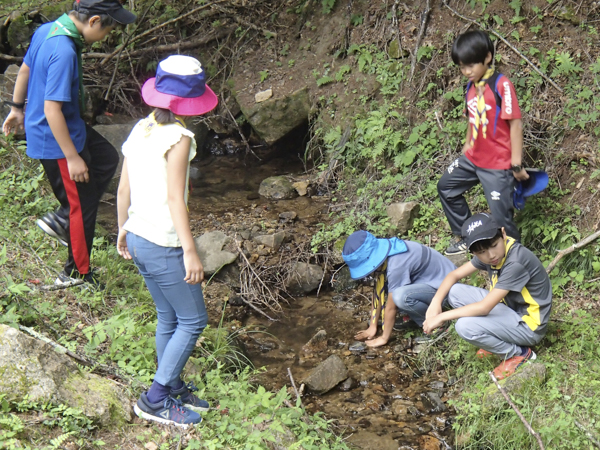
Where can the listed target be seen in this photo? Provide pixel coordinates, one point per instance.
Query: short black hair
(105, 19)
(472, 47)
(484, 244)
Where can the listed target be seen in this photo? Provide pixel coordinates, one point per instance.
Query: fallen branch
(571, 249)
(587, 433)
(424, 20)
(294, 386)
(514, 49)
(59, 348)
(168, 47)
(158, 27)
(529, 428)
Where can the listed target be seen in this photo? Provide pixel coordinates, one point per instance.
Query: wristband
(15, 105)
(516, 168)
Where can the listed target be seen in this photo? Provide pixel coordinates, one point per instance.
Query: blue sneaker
(167, 412)
(188, 399)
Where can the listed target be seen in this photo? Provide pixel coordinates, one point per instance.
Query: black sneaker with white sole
(189, 399)
(53, 226)
(167, 412)
(457, 248)
(90, 278)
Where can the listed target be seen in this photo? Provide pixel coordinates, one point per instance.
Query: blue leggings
(179, 306)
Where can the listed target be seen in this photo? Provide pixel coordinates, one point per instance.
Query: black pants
(498, 186)
(79, 201)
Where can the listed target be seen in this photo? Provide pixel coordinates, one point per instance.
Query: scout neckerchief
(64, 26)
(480, 115)
(380, 294)
(509, 243)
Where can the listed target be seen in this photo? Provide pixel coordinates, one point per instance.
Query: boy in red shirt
(492, 154)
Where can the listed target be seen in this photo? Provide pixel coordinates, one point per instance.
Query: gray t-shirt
(419, 265)
(524, 276)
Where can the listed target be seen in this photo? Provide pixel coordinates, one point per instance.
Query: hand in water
(369, 333)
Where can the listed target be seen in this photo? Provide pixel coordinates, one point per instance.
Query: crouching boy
(409, 271)
(510, 318)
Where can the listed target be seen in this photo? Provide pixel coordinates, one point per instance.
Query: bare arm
(16, 118)
(435, 307)
(123, 203)
(516, 147)
(388, 324)
(78, 170)
(467, 144)
(177, 166)
(481, 308)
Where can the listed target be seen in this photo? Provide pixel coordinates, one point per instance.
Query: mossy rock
(527, 376)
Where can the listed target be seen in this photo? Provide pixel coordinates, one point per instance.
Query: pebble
(358, 347)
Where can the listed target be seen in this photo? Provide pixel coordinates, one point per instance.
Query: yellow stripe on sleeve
(533, 318)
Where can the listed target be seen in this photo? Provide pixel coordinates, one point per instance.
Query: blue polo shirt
(53, 75)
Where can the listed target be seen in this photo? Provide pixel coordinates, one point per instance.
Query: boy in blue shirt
(407, 275)
(78, 162)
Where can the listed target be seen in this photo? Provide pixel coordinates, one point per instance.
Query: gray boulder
(32, 368)
(212, 252)
(327, 375)
(303, 278)
(402, 215)
(276, 117)
(277, 188)
(342, 281)
(116, 134)
(272, 241)
(433, 402)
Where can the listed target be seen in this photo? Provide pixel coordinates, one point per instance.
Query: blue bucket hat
(537, 182)
(364, 253)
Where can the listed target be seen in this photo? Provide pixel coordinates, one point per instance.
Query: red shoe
(509, 366)
(482, 354)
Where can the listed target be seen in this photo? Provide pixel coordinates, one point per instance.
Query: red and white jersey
(493, 151)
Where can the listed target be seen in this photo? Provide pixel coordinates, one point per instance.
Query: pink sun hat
(180, 87)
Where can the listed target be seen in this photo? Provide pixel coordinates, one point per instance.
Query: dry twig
(513, 406)
(513, 48)
(589, 435)
(294, 385)
(424, 20)
(571, 249)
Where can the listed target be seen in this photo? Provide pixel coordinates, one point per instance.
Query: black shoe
(189, 399)
(64, 280)
(52, 225)
(457, 248)
(405, 323)
(167, 412)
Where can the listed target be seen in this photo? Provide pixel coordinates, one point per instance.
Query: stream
(387, 401)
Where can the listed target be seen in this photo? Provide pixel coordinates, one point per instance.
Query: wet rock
(370, 441)
(437, 385)
(316, 344)
(276, 117)
(348, 384)
(230, 275)
(277, 188)
(236, 300)
(303, 278)
(33, 368)
(400, 407)
(211, 251)
(301, 187)
(358, 347)
(371, 354)
(529, 374)
(326, 375)
(342, 281)
(418, 348)
(402, 215)
(374, 402)
(288, 216)
(430, 443)
(272, 241)
(365, 423)
(338, 298)
(116, 134)
(433, 403)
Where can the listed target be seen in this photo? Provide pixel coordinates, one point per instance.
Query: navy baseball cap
(478, 228)
(112, 8)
